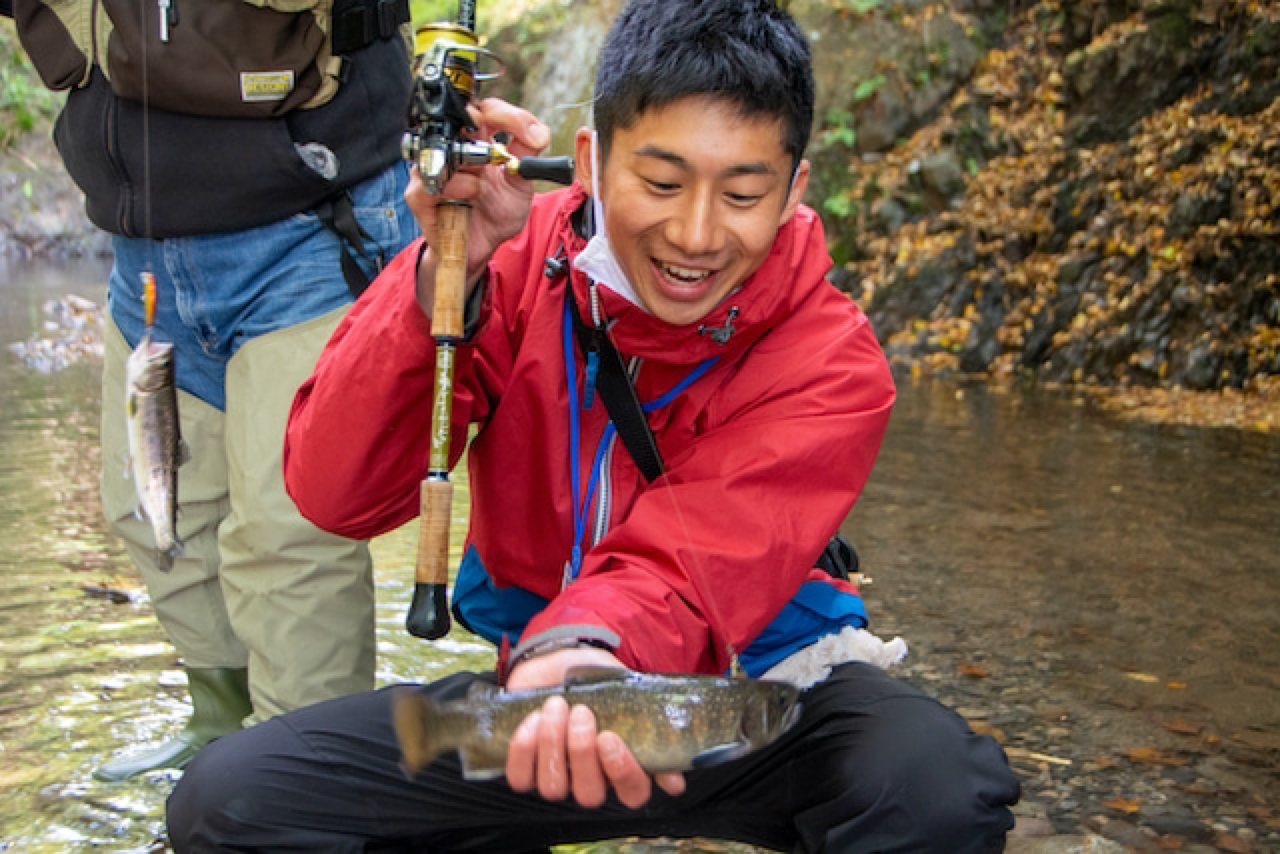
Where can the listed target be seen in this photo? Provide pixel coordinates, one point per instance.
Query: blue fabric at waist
(817, 609)
(487, 609)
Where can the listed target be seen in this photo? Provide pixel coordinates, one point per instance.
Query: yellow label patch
(265, 85)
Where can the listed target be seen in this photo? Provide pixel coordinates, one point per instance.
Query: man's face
(693, 196)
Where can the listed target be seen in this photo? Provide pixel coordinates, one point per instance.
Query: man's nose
(696, 227)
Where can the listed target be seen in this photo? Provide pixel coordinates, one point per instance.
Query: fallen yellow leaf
(1154, 756)
(1127, 805)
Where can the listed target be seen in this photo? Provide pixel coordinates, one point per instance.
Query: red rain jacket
(765, 453)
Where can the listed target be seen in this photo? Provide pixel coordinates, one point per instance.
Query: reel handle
(558, 170)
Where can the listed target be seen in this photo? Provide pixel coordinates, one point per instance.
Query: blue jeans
(217, 291)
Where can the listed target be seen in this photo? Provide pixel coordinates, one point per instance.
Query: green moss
(1173, 30)
(24, 101)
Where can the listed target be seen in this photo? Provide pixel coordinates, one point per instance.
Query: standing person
(687, 248)
(226, 147)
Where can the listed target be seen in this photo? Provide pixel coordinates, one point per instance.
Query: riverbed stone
(1063, 845)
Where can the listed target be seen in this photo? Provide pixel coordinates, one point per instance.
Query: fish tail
(416, 718)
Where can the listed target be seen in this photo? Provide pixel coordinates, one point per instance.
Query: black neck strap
(618, 394)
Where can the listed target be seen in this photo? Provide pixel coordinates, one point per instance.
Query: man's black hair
(749, 52)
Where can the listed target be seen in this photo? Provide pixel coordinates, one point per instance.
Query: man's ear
(799, 184)
(582, 158)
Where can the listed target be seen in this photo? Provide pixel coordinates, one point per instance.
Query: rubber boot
(219, 702)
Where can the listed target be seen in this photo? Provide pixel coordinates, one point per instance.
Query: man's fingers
(522, 754)
(629, 780)
(528, 135)
(671, 782)
(589, 786)
(553, 772)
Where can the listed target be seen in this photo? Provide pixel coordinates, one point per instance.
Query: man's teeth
(685, 275)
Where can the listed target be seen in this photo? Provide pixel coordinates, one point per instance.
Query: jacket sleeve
(709, 554)
(358, 441)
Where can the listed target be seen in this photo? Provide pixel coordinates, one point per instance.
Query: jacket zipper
(600, 523)
(600, 526)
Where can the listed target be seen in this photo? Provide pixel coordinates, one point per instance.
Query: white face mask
(598, 260)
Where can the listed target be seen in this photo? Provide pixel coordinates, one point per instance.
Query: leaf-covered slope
(1101, 203)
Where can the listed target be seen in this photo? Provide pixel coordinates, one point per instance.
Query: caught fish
(155, 445)
(671, 723)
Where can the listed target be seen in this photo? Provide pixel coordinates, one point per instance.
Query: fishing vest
(250, 59)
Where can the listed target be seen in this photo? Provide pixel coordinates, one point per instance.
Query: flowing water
(1131, 570)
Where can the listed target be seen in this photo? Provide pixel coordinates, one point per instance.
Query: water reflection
(1026, 533)
(1038, 526)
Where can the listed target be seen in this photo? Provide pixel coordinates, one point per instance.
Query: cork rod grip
(452, 222)
(433, 542)
(429, 612)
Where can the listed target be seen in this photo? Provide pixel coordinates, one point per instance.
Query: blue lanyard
(580, 507)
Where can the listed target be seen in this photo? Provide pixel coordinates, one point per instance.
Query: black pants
(873, 765)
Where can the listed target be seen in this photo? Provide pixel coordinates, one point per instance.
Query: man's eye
(744, 199)
(662, 186)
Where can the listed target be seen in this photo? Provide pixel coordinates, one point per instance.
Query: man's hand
(558, 750)
(499, 201)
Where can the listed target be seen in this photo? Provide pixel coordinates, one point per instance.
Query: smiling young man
(694, 193)
(686, 248)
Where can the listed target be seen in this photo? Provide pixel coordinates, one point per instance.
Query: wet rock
(943, 175)
(1202, 367)
(885, 117)
(1195, 209)
(1194, 149)
(980, 350)
(1113, 85)
(888, 215)
(1185, 826)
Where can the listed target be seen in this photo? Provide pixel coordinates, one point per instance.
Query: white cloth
(813, 664)
(598, 260)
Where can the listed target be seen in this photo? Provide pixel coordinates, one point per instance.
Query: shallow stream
(1034, 553)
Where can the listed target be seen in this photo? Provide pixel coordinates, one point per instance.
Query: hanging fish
(156, 449)
(670, 723)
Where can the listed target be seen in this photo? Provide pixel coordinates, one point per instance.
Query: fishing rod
(446, 71)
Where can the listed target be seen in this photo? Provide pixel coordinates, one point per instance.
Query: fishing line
(595, 211)
(148, 275)
(715, 623)
(575, 105)
(735, 664)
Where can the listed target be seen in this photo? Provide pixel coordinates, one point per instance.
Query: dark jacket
(164, 173)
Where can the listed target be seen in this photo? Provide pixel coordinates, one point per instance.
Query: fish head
(150, 365)
(771, 709)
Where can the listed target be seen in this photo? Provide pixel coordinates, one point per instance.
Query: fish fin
(414, 715)
(479, 765)
(589, 674)
(480, 690)
(720, 754)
